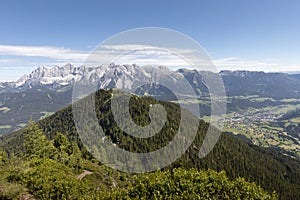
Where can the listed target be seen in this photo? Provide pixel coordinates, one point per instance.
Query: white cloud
(59, 53)
(133, 47)
(145, 55)
(7, 61)
(291, 68)
(234, 63)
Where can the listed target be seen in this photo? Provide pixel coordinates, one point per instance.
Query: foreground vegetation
(49, 170)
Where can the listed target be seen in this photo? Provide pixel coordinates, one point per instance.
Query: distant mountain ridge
(49, 77)
(57, 77)
(237, 83)
(274, 85)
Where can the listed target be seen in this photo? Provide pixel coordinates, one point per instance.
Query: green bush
(189, 184)
(53, 180)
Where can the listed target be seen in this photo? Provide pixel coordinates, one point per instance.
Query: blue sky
(251, 35)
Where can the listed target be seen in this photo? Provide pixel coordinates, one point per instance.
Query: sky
(260, 35)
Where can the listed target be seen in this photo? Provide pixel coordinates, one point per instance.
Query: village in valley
(266, 127)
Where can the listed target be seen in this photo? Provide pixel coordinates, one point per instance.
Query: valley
(260, 121)
(265, 126)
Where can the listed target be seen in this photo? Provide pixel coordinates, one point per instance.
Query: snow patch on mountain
(108, 76)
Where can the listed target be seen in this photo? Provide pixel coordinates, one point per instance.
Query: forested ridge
(268, 169)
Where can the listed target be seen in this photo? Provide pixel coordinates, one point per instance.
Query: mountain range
(46, 90)
(237, 83)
